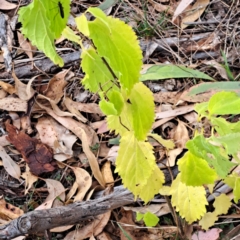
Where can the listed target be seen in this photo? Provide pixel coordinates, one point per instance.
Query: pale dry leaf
(157, 209)
(180, 8)
(30, 179)
(107, 173)
(84, 107)
(181, 135)
(212, 234)
(92, 238)
(8, 211)
(86, 135)
(10, 166)
(4, 141)
(172, 155)
(61, 229)
(19, 238)
(15, 119)
(13, 104)
(5, 5)
(103, 150)
(176, 112)
(26, 124)
(112, 154)
(93, 228)
(56, 136)
(70, 106)
(72, 191)
(9, 88)
(195, 12)
(55, 189)
(84, 182)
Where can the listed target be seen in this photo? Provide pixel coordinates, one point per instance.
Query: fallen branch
(40, 220)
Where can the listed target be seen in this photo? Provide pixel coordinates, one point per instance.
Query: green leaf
(230, 142)
(159, 72)
(214, 155)
(189, 201)
(142, 108)
(202, 109)
(208, 220)
(139, 216)
(195, 171)
(135, 162)
(117, 43)
(58, 13)
(169, 144)
(116, 98)
(223, 127)
(224, 103)
(107, 107)
(97, 75)
(122, 123)
(150, 219)
(41, 25)
(226, 66)
(233, 181)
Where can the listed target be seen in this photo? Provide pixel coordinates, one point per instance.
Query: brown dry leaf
(10, 166)
(93, 228)
(71, 108)
(107, 173)
(9, 88)
(22, 89)
(59, 138)
(221, 70)
(3, 94)
(86, 135)
(176, 112)
(181, 135)
(56, 87)
(172, 154)
(13, 104)
(38, 155)
(5, 5)
(83, 107)
(103, 236)
(83, 183)
(26, 46)
(210, 42)
(103, 150)
(8, 211)
(166, 97)
(162, 8)
(30, 179)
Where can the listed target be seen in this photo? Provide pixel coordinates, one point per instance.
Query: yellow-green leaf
(195, 171)
(135, 162)
(142, 108)
(169, 144)
(233, 181)
(222, 204)
(153, 185)
(208, 220)
(189, 201)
